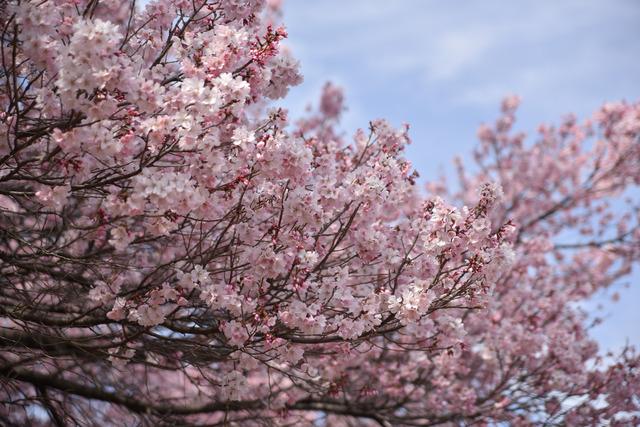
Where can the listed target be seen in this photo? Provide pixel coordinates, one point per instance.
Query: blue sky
(444, 66)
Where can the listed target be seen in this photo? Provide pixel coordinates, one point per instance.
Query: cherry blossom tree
(173, 251)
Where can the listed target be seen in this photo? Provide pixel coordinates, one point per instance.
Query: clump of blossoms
(174, 252)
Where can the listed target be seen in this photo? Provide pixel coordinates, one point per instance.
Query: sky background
(443, 67)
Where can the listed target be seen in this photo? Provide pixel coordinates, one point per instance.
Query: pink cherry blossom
(175, 252)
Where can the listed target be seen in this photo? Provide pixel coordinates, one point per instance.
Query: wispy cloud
(495, 46)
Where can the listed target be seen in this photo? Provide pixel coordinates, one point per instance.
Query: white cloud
(482, 41)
